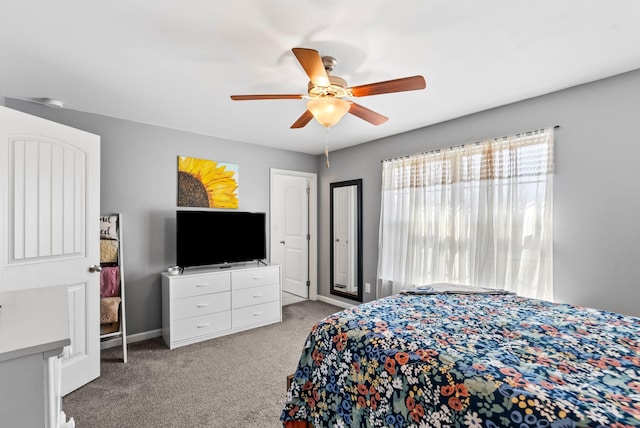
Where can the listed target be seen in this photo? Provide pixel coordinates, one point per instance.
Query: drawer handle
(258, 295)
(204, 325)
(256, 277)
(202, 305)
(202, 285)
(257, 314)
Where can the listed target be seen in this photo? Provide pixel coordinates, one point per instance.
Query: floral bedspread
(455, 360)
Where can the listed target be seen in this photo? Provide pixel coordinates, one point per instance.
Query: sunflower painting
(207, 183)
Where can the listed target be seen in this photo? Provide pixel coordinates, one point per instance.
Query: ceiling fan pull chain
(326, 146)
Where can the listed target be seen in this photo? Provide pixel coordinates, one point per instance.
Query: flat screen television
(219, 237)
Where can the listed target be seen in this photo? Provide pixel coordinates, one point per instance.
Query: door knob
(95, 268)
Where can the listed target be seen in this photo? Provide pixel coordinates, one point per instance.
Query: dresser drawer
(257, 314)
(195, 285)
(255, 295)
(199, 326)
(200, 305)
(255, 277)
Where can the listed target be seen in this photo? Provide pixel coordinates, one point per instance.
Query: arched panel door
(49, 228)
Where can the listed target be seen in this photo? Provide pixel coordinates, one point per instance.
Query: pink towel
(110, 282)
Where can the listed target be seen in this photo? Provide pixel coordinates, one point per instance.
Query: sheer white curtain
(478, 214)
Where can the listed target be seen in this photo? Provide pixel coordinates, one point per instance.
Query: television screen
(217, 237)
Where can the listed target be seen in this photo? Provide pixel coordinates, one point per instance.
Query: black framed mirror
(346, 238)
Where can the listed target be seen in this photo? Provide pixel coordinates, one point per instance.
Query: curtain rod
(462, 145)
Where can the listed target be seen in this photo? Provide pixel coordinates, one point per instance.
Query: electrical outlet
(367, 287)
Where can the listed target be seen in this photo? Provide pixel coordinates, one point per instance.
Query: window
(478, 214)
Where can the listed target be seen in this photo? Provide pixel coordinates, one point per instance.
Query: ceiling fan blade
(367, 114)
(397, 85)
(302, 120)
(266, 97)
(312, 64)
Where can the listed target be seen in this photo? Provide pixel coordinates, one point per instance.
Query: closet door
(49, 206)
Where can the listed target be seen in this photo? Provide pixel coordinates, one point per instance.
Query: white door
(49, 225)
(291, 197)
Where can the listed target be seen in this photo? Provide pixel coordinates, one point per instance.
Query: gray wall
(138, 179)
(596, 195)
(596, 190)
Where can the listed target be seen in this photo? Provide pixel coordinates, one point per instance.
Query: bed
(468, 360)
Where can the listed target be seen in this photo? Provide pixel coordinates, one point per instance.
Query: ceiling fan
(326, 92)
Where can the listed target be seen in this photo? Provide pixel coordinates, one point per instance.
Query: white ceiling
(175, 63)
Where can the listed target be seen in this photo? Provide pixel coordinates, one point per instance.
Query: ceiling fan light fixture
(328, 110)
(325, 92)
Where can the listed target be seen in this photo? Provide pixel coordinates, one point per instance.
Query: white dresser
(34, 329)
(202, 304)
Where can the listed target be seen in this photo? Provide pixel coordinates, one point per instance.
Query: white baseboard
(335, 302)
(138, 337)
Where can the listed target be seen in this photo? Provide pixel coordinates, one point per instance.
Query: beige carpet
(232, 381)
